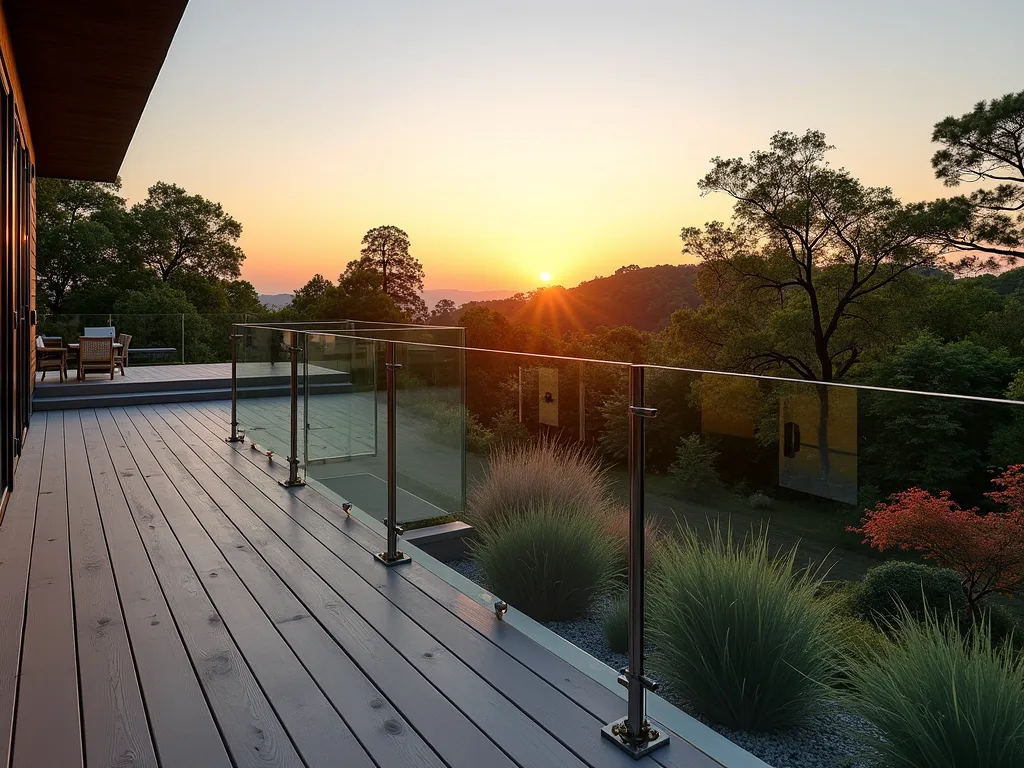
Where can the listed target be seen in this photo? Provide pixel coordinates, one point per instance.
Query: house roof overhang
(86, 70)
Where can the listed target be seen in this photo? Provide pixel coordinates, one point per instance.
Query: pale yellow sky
(563, 136)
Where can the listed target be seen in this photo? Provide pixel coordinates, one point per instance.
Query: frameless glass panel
(346, 433)
(264, 390)
(431, 432)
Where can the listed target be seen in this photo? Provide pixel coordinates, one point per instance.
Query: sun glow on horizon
(545, 277)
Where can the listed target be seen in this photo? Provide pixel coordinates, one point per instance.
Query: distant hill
(275, 300)
(644, 298)
(431, 297)
(434, 295)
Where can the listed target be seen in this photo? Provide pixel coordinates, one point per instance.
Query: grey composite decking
(179, 373)
(167, 602)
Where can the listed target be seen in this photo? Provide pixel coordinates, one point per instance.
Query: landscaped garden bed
(911, 665)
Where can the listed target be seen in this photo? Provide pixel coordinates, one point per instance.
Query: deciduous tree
(804, 280)
(385, 253)
(174, 231)
(987, 550)
(74, 224)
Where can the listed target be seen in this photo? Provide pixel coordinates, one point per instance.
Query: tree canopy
(76, 235)
(399, 275)
(796, 283)
(985, 147)
(175, 232)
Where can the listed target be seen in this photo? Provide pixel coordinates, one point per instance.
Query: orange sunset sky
(510, 139)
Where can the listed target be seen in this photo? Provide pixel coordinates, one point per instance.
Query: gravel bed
(829, 741)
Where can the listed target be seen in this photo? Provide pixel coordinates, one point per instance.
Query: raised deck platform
(166, 602)
(147, 385)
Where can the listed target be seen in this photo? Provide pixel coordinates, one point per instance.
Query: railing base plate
(382, 557)
(636, 751)
(291, 484)
(234, 439)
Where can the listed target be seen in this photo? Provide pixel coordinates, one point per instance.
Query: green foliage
(857, 640)
(173, 231)
(694, 469)
(551, 562)
(930, 442)
(984, 145)
(739, 634)
(508, 430)
(940, 701)
(760, 500)
(538, 474)
(615, 623)
(395, 272)
(77, 224)
(889, 589)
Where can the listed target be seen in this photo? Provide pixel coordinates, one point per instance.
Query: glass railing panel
(263, 389)
(431, 427)
(346, 435)
(341, 395)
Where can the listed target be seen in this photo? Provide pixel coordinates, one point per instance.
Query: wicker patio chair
(121, 355)
(51, 355)
(95, 355)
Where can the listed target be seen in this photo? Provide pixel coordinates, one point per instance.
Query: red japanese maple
(986, 549)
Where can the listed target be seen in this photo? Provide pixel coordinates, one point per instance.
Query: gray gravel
(829, 741)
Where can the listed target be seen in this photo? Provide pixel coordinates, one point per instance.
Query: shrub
(760, 500)
(508, 430)
(547, 561)
(739, 634)
(889, 588)
(541, 473)
(694, 468)
(938, 700)
(615, 624)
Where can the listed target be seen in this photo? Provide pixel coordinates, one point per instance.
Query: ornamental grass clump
(940, 700)
(550, 562)
(739, 634)
(615, 623)
(540, 473)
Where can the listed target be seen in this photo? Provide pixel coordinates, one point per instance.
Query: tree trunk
(823, 411)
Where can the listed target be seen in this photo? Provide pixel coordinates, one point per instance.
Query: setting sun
(545, 277)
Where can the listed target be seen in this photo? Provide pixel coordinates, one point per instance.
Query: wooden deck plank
(182, 724)
(16, 534)
(114, 717)
(319, 733)
(543, 667)
(48, 723)
(254, 735)
(381, 728)
(523, 738)
(563, 717)
(412, 695)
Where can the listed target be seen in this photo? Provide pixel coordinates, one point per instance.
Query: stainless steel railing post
(234, 437)
(293, 453)
(636, 734)
(392, 556)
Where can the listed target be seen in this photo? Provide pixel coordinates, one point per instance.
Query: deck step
(78, 395)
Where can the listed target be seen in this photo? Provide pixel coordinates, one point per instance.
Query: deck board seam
(245, 586)
(120, 602)
(24, 618)
(299, 600)
(287, 544)
(585, 711)
(568, 746)
(174, 618)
